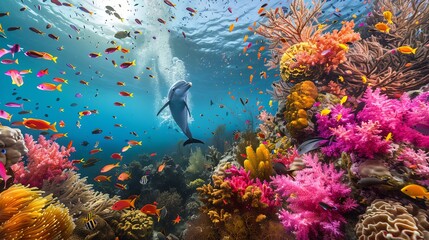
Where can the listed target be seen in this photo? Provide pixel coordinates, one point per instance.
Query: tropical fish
(169, 3)
(58, 135)
(112, 49)
(42, 72)
(371, 181)
(177, 102)
(85, 10)
(90, 162)
(116, 156)
(102, 178)
(36, 30)
(325, 112)
(4, 14)
(382, 27)
(96, 150)
(124, 176)
(388, 137)
(14, 105)
(39, 124)
(94, 55)
(109, 167)
(90, 222)
(60, 80)
(9, 61)
(126, 148)
(177, 219)
(127, 64)
(3, 171)
(15, 76)
(126, 94)
(191, 10)
(407, 50)
(231, 27)
(122, 34)
(161, 167)
(415, 191)
(151, 209)
(134, 143)
(3, 52)
(143, 180)
(388, 16)
(121, 186)
(123, 204)
(119, 104)
(326, 206)
(49, 87)
(314, 143)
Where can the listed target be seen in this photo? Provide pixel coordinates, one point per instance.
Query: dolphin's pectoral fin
(165, 105)
(192, 140)
(186, 105)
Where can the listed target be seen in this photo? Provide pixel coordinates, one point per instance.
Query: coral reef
(102, 230)
(79, 197)
(302, 97)
(46, 161)
(134, 225)
(25, 214)
(197, 163)
(316, 200)
(386, 219)
(258, 163)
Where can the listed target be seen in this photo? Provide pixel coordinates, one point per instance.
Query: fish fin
(66, 81)
(165, 105)
(186, 105)
(192, 140)
(59, 87)
(16, 61)
(65, 135)
(54, 59)
(132, 95)
(132, 203)
(119, 48)
(413, 51)
(53, 127)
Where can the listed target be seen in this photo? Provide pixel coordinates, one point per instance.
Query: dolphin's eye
(3, 151)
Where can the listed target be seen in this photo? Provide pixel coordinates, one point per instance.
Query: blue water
(210, 57)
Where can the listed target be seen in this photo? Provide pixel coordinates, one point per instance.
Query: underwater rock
(12, 140)
(386, 219)
(101, 231)
(134, 225)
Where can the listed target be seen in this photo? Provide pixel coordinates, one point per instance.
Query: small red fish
(96, 150)
(121, 186)
(177, 220)
(116, 156)
(153, 154)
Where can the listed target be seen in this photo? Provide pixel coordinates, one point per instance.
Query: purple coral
(316, 198)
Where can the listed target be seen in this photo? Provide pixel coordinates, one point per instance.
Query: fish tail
(133, 62)
(53, 127)
(10, 117)
(140, 143)
(108, 178)
(132, 95)
(192, 140)
(65, 135)
(413, 51)
(59, 87)
(119, 48)
(66, 81)
(132, 203)
(16, 61)
(29, 71)
(54, 59)
(91, 12)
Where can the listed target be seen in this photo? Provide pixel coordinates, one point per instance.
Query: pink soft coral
(46, 161)
(240, 180)
(313, 187)
(418, 161)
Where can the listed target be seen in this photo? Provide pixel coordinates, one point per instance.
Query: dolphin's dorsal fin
(165, 105)
(186, 105)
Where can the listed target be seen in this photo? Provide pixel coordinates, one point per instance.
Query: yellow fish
(339, 116)
(343, 46)
(388, 137)
(388, 16)
(245, 38)
(415, 191)
(231, 27)
(354, 16)
(364, 79)
(341, 78)
(270, 103)
(320, 26)
(382, 27)
(343, 100)
(407, 50)
(1, 29)
(325, 112)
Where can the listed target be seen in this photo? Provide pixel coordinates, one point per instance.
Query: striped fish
(143, 180)
(90, 222)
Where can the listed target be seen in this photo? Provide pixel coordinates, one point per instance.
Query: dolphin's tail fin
(192, 140)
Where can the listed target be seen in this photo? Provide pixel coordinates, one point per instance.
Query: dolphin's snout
(190, 84)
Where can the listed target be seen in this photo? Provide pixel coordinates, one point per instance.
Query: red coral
(330, 49)
(46, 161)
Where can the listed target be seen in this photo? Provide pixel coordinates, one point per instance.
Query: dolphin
(177, 98)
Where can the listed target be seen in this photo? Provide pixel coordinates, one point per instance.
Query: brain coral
(12, 140)
(134, 224)
(290, 70)
(391, 220)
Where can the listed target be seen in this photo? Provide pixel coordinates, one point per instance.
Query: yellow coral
(290, 70)
(134, 224)
(302, 97)
(25, 214)
(259, 163)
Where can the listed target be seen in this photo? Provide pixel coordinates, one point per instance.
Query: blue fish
(177, 102)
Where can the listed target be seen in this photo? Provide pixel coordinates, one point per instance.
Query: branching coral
(197, 162)
(390, 220)
(25, 214)
(258, 163)
(134, 225)
(79, 196)
(46, 161)
(317, 200)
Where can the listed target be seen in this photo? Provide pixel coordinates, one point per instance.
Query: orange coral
(25, 214)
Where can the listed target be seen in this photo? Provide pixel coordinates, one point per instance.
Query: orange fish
(84, 82)
(120, 84)
(161, 167)
(126, 94)
(123, 204)
(109, 167)
(249, 67)
(116, 156)
(39, 124)
(124, 176)
(231, 27)
(251, 78)
(78, 161)
(134, 143)
(151, 209)
(70, 145)
(124, 149)
(121, 186)
(124, 50)
(261, 49)
(177, 220)
(58, 135)
(96, 150)
(62, 124)
(102, 178)
(49, 87)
